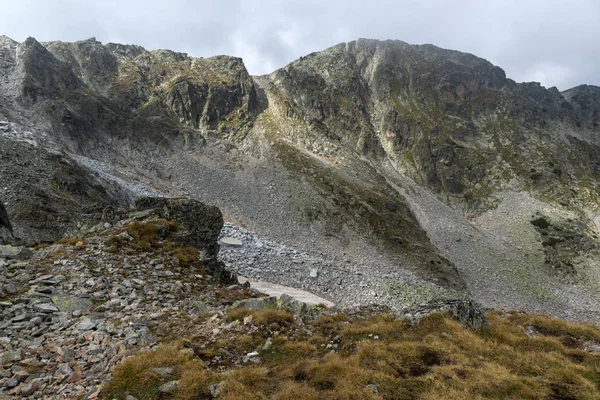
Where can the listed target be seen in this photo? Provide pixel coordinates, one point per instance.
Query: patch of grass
(238, 314)
(266, 317)
(380, 357)
(148, 235)
(186, 255)
(136, 377)
(270, 317)
(194, 381)
(70, 241)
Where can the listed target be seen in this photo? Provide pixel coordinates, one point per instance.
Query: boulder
(6, 232)
(199, 226)
(259, 304)
(15, 253)
(466, 312)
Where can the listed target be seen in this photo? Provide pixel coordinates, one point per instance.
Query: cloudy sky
(555, 42)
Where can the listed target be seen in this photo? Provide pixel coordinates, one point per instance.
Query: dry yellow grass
(70, 241)
(135, 376)
(517, 356)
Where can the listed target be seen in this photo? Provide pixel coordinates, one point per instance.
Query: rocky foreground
(143, 308)
(73, 310)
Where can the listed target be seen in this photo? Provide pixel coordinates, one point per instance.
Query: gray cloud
(551, 41)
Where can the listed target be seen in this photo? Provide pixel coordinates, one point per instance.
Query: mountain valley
(372, 173)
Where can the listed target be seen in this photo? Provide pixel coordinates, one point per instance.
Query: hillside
(140, 309)
(400, 174)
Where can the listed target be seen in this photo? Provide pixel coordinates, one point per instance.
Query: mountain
(400, 173)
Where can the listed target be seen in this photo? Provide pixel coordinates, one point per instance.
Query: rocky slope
(71, 311)
(426, 169)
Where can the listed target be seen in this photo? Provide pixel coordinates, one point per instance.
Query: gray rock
(20, 318)
(65, 370)
(11, 383)
(86, 324)
(169, 387)
(216, 389)
(15, 253)
(261, 303)
(164, 372)
(11, 356)
(45, 307)
(466, 312)
(21, 375)
(200, 226)
(372, 388)
(10, 288)
(30, 388)
(314, 273)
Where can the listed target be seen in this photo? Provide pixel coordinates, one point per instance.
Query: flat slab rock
(231, 241)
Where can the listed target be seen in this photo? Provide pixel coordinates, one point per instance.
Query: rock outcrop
(452, 121)
(466, 312)
(199, 226)
(48, 194)
(6, 232)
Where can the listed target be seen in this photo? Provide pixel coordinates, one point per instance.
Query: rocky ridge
(336, 153)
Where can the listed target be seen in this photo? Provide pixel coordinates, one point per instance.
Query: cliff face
(431, 158)
(101, 95)
(451, 120)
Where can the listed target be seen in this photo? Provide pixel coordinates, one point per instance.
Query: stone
(45, 307)
(466, 312)
(216, 389)
(258, 304)
(267, 344)
(372, 388)
(11, 356)
(21, 375)
(169, 387)
(314, 273)
(86, 324)
(20, 318)
(11, 383)
(72, 303)
(30, 388)
(15, 252)
(231, 241)
(163, 372)
(10, 288)
(65, 370)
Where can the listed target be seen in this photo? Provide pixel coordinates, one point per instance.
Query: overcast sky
(555, 42)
